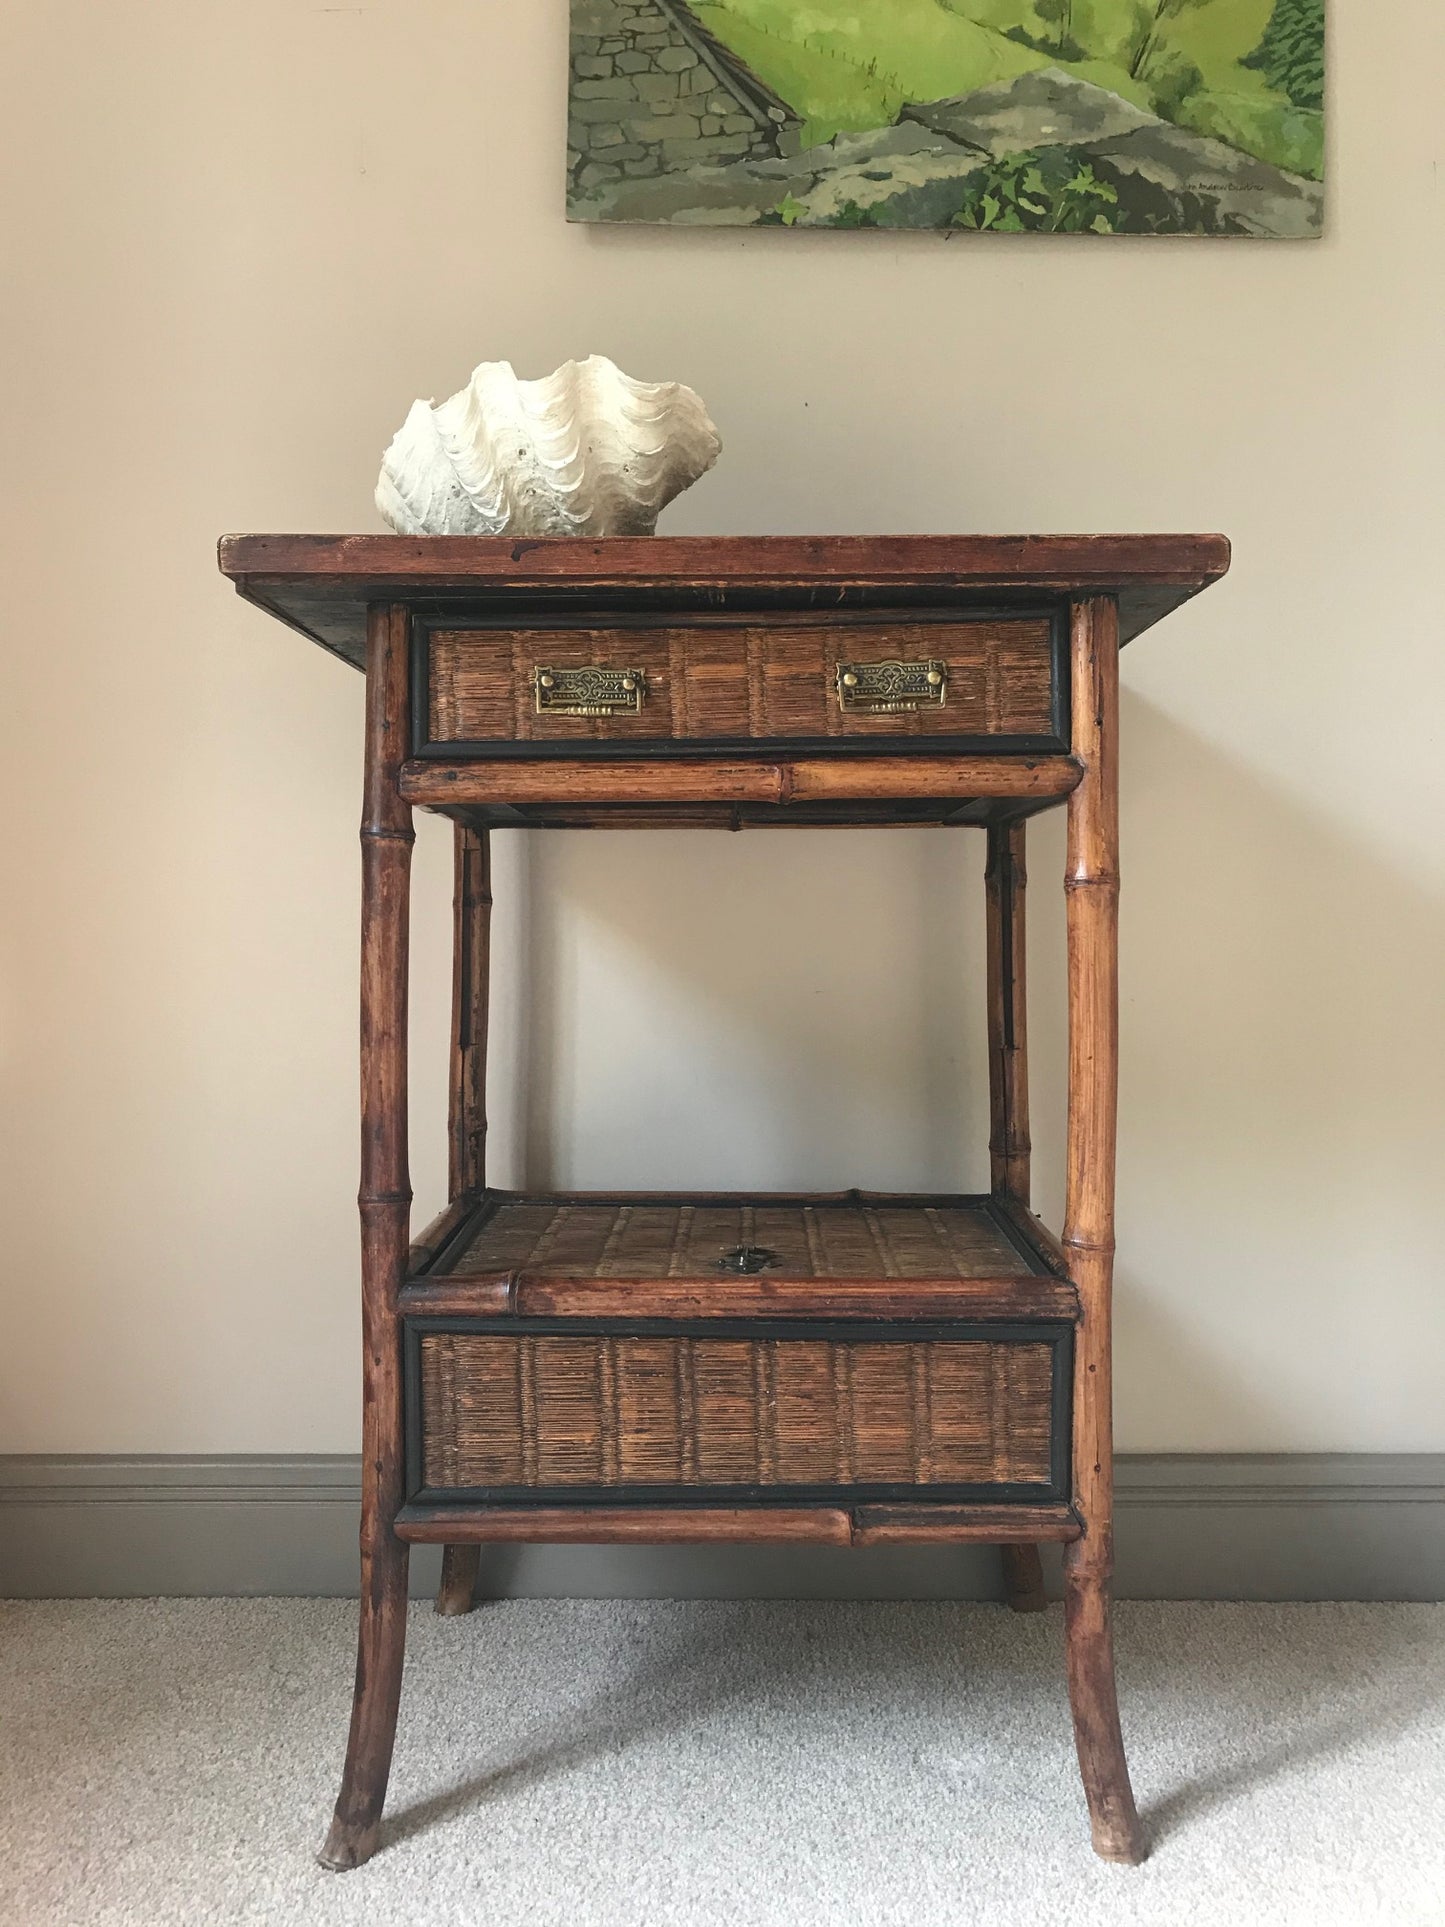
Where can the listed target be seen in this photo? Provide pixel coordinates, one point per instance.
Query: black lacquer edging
(733, 749)
(424, 617)
(440, 1262)
(1061, 670)
(696, 1498)
(1016, 1236)
(1058, 1336)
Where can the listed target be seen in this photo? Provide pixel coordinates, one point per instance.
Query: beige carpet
(696, 1763)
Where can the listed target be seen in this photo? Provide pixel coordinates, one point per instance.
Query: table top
(321, 584)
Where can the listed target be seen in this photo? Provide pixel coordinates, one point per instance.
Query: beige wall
(239, 239)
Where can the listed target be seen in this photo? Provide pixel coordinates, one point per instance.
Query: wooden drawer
(990, 681)
(556, 1411)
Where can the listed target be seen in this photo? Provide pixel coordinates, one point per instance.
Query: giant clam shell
(585, 451)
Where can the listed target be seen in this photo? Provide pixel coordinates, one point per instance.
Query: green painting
(1096, 117)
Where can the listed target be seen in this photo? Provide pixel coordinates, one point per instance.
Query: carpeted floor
(617, 1762)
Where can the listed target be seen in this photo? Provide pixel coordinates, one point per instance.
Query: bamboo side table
(851, 1369)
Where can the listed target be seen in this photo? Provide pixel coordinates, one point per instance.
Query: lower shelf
(850, 1254)
(781, 1358)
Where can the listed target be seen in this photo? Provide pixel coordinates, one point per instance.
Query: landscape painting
(1096, 117)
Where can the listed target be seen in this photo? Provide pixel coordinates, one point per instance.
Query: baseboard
(1257, 1526)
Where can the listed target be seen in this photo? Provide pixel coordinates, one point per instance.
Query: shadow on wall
(806, 1010)
(1281, 1130)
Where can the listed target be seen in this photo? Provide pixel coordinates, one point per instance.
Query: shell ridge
(587, 449)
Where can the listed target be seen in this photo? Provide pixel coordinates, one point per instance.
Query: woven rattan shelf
(607, 1349)
(649, 1236)
(848, 1370)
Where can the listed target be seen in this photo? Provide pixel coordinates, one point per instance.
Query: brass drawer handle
(879, 688)
(593, 691)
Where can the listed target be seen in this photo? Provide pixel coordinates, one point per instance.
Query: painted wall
(241, 238)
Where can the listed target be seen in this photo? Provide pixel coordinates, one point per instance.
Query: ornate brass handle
(883, 687)
(593, 691)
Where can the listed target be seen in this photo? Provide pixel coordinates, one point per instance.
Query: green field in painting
(851, 64)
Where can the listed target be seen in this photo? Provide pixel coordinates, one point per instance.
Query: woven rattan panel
(774, 681)
(672, 1240)
(603, 1411)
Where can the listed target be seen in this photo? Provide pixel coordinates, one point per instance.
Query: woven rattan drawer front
(526, 1410)
(992, 680)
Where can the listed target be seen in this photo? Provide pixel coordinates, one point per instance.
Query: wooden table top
(321, 584)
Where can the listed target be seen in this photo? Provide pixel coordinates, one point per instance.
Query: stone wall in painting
(652, 92)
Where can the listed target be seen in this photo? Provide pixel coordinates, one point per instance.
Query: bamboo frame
(1092, 885)
(467, 1109)
(1089, 777)
(321, 583)
(1005, 881)
(471, 971)
(682, 780)
(866, 1525)
(1023, 1579)
(385, 1204)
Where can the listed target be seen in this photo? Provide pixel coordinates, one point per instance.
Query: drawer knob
(590, 691)
(887, 688)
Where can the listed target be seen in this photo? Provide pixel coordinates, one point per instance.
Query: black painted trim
(734, 749)
(1043, 1267)
(442, 1261)
(420, 645)
(762, 749)
(1061, 641)
(1058, 1335)
(697, 1498)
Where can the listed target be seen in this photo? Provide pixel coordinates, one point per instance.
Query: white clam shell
(585, 451)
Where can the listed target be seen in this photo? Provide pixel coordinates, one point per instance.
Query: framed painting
(1095, 117)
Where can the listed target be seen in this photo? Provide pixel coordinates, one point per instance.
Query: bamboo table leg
(467, 1121)
(1023, 1579)
(1005, 879)
(386, 841)
(457, 1592)
(1092, 885)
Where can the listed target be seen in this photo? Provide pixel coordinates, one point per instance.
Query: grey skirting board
(1254, 1526)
